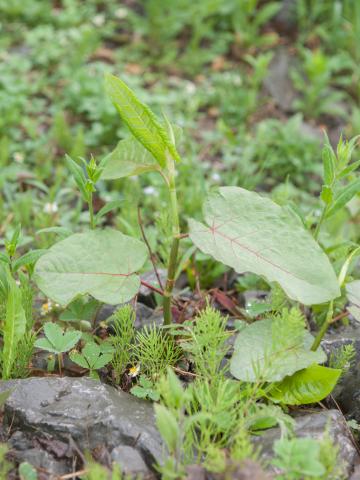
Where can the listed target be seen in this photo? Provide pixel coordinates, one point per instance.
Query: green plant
(145, 389)
(5, 466)
(340, 182)
(153, 149)
(13, 325)
(317, 95)
(93, 357)
(343, 357)
(27, 471)
(24, 352)
(155, 351)
(278, 350)
(205, 340)
(123, 337)
(298, 458)
(57, 341)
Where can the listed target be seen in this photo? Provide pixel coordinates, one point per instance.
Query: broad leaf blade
(353, 292)
(140, 120)
(255, 355)
(251, 233)
(306, 386)
(99, 263)
(44, 344)
(69, 340)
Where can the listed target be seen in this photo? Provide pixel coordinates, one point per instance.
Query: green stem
(91, 211)
(174, 250)
(320, 222)
(60, 363)
(324, 327)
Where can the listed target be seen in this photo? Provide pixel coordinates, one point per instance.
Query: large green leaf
(140, 120)
(100, 263)
(306, 386)
(251, 233)
(256, 355)
(14, 325)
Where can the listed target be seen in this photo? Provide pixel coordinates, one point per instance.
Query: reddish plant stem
(152, 287)
(151, 254)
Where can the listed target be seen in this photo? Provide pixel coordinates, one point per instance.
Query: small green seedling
(93, 357)
(27, 471)
(298, 458)
(145, 389)
(57, 341)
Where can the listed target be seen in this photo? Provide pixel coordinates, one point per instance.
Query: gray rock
(143, 313)
(146, 294)
(286, 19)
(278, 82)
(315, 425)
(130, 461)
(347, 392)
(26, 449)
(84, 410)
(356, 474)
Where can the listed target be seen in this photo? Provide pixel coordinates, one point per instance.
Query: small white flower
(51, 207)
(19, 157)
(216, 176)
(150, 190)
(190, 88)
(46, 308)
(121, 13)
(99, 20)
(134, 371)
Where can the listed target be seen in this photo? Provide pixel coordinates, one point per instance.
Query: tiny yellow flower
(46, 308)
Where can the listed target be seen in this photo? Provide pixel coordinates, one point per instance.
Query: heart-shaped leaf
(306, 386)
(256, 355)
(100, 263)
(56, 340)
(251, 233)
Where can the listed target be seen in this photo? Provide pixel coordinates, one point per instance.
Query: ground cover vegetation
(201, 159)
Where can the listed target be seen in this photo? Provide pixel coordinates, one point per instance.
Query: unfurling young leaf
(140, 120)
(131, 158)
(250, 233)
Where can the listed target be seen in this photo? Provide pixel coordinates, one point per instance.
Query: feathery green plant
(122, 339)
(155, 351)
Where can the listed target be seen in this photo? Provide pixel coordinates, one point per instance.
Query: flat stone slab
(83, 410)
